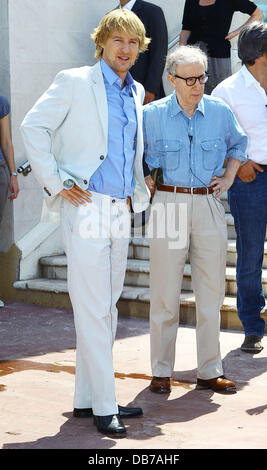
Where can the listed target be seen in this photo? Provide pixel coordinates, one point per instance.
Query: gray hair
(252, 42)
(183, 55)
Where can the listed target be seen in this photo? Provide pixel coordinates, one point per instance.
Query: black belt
(264, 167)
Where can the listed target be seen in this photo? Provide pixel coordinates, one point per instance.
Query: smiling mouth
(123, 59)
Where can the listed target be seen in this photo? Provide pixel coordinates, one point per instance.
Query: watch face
(68, 184)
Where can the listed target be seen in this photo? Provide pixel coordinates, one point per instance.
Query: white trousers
(202, 237)
(95, 239)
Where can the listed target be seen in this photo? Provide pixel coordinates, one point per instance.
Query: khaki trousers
(202, 236)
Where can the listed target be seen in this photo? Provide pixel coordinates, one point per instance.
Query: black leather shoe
(127, 412)
(82, 412)
(252, 344)
(124, 412)
(110, 425)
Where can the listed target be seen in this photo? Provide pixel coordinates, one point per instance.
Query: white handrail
(174, 42)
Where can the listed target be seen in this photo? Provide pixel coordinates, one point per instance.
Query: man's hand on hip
(247, 171)
(221, 184)
(76, 195)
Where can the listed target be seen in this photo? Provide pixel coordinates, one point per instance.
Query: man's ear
(171, 79)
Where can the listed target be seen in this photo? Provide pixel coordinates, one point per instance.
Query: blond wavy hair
(121, 20)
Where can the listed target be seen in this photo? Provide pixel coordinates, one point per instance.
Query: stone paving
(37, 354)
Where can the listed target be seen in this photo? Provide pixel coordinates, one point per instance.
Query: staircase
(135, 297)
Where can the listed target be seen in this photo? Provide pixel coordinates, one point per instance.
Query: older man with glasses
(188, 136)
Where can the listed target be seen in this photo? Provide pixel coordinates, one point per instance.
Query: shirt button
(102, 157)
(113, 201)
(85, 181)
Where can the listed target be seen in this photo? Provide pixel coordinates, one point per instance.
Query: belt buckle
(192, 190)
(207, 188)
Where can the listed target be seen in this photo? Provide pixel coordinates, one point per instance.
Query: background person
(8, 175)
(149, 67)
(245, 92)
(207, 23)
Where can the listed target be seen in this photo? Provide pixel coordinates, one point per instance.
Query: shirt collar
(113, 78)
(129, 5)
(176, 108)
(249, 78)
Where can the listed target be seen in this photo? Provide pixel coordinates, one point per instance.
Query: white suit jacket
(65, 134)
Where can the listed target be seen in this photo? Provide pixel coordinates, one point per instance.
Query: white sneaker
(2, 303)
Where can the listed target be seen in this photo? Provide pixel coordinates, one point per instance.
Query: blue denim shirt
(191, 150)
(115, 175)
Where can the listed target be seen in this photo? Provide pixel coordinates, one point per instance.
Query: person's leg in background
(4, 182)
(248, 204)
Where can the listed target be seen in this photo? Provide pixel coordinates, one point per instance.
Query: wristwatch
(68, 184)
(14, 173)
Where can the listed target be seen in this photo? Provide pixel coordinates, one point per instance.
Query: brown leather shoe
(219, 384)
(160, 385)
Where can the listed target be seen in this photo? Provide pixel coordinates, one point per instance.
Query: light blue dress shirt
(114, 176)
(191, 150)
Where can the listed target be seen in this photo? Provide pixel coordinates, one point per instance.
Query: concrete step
(137, 274)
(139, 249)
(43, 285)
(135, 301)
(55, 267)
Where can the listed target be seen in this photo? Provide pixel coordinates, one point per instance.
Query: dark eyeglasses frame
(205, 79)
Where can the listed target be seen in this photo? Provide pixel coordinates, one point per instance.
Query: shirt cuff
(238, 155)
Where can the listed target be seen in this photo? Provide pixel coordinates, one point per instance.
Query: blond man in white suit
(84, 141)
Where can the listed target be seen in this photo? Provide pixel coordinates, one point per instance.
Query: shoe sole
(252, 350)
(111, 434)
(226, 391)
(84, 415)
(160, 391)
(118, 435)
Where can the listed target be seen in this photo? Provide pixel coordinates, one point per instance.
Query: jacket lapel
(100, 97)
(137, 6)
(139, 115)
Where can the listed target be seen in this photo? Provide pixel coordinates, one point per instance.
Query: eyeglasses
(190, 81)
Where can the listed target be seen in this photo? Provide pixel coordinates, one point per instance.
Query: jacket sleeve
(158, 48)
(37, 127)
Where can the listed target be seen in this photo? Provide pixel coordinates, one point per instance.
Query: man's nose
(198, 85)
(125, 46)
